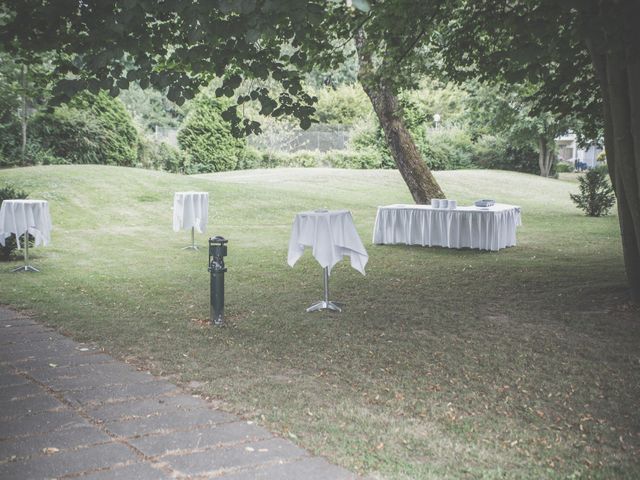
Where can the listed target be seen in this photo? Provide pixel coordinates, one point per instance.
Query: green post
(217, 252)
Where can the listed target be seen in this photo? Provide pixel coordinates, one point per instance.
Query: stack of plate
(484, 203)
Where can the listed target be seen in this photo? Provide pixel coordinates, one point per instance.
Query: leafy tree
(24, 80)
(585, 55)
(180, 46)
(207, 138)
(509, 110)
(151, 108)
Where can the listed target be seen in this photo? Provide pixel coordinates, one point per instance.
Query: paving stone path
(69, 411)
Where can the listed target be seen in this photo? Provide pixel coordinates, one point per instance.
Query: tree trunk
(421, 182)
(23, 115)
(419, 179)
(618, 73)
(545, 157)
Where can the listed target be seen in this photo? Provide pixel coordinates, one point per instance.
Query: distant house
(570, 152)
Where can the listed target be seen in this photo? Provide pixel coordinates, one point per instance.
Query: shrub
(9, 192)
(119, 139)
(493, 152)
(91, 129)
(361, 160)
(70, 134)
(343, 105)
(160, 156)
(596, 195)
(251, 158)
(564, 167)
(207, 137)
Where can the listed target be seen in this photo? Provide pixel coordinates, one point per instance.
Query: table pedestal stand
(193, 245)
(26, 267)
(325, 304)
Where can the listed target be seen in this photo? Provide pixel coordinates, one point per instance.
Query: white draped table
(484, 228)
(29, 217)
(190, 211)
(331, 236)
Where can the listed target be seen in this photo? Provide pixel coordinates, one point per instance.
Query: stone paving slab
(20, 336)
(67, 463)
(10, 379)
(69, 411)
(144, 407)
(172, 421)
(44, 362)
(137, 471)
(16, 392)
(39, 423)
(89, 381)
(28, 405)
(305, 469)
(200, 439)
(113, 393)
(219, 460)
(71, 438)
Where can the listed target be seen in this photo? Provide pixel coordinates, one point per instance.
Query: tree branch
(421, 34)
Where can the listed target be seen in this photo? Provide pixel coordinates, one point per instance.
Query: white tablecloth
(331, 235)
(190, 209)
(489, 228)
(16, 216)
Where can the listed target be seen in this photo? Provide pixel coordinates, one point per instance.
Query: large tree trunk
(421, 182)
(617, 66)
(419, 179)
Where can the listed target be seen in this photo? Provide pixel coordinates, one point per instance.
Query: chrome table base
(325, 304)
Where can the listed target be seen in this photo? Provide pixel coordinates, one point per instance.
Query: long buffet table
(484, 228)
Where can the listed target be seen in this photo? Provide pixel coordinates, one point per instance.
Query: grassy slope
(445, 363)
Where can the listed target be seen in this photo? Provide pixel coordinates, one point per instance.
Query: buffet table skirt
(489, 228)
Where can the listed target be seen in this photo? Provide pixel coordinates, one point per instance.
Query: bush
(596, 195)
(343, 105)
(92, 129)
(9, 192)
(492, 152)
(119, 139)
(207, 137)
(161, 156)
(564, 167)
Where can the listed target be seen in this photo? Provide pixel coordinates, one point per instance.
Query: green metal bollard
(217, 252)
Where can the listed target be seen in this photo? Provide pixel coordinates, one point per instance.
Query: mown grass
(522, 363)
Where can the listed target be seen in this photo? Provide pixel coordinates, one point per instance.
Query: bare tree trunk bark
(419, 179)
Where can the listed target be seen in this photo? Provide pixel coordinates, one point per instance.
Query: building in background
(571, 152)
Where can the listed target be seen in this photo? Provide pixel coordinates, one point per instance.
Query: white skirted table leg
(325, 304)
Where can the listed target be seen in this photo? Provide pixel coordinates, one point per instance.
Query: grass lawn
(523, 363)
